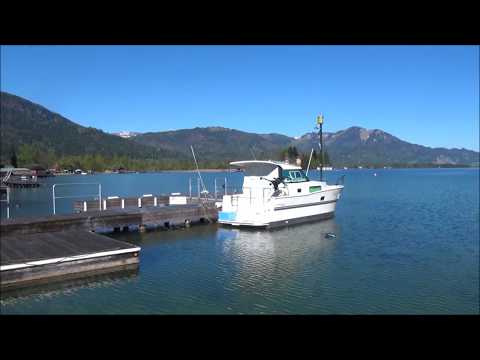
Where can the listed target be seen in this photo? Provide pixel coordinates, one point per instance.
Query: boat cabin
(280, 177)
(275, 193)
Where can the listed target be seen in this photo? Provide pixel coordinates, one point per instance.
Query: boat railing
(220, 188)
(252, 196)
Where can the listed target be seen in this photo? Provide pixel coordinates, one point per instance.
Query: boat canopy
(261, 167)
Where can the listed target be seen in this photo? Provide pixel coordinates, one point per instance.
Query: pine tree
(13, 159)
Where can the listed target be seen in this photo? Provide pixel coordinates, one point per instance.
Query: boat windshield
(290, 176)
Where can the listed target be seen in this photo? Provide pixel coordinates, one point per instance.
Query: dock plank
(34, 259)
(43, 246)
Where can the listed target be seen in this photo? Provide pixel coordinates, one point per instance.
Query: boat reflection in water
(276, 268)
(70, 286)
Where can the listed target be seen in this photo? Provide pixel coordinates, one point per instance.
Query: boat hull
(278, 194)
(281, 223)
(284, 212)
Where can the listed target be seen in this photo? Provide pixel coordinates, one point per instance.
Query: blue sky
(427, 95)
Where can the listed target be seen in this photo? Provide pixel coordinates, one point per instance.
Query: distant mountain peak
(357, 145)
(24, 122)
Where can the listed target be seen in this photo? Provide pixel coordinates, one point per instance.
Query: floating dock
(42, 249)
(167, 217)
(18, 183)
(34, 259)
(70, 222)
(117, 203)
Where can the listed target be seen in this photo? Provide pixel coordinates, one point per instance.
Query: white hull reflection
(283, 253)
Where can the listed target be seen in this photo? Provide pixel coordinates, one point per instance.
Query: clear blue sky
(427, 95)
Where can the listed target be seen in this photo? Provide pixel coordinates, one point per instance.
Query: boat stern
(226, 217)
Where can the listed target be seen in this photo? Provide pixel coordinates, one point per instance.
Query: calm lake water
(407, 243)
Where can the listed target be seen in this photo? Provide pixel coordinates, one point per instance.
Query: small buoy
(374, 174)
(330, 235)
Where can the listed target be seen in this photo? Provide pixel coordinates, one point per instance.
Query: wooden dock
(44, 257)
(43, 249)
(70, 222)
(168, 217)
(18, 183)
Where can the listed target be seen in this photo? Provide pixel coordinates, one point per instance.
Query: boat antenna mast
(198, 172)
(320, 120)
(253, 154)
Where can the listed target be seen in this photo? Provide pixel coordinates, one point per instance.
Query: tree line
(29, 155)
(292, 154)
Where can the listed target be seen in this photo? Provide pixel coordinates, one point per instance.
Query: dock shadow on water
(67, 286)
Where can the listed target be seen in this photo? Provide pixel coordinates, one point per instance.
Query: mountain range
(24, 122)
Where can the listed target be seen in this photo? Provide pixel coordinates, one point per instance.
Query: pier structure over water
(42, 249)
(34, 259)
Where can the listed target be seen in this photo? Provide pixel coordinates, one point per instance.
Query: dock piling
(6, 189)
(53, 197)
(190, 187)
(100, 196)
(198, 187)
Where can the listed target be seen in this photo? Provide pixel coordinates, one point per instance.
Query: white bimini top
(250, 163)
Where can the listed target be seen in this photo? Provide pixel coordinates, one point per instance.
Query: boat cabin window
(290, 176)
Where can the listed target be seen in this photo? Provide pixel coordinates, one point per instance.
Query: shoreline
(235, 171)
(201, 170)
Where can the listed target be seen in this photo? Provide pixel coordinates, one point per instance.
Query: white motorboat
(277, 194)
